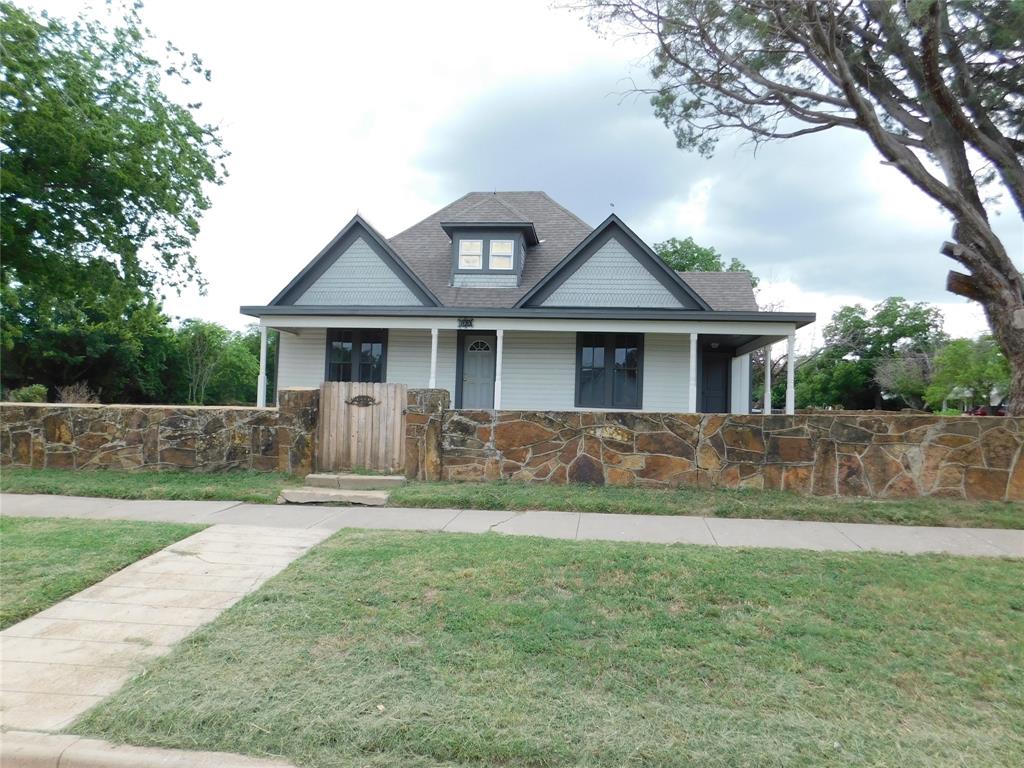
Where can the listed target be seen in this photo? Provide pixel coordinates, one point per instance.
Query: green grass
(44, 560)
(711, 503)
(412, 650)
(254, 487)
(264, 487)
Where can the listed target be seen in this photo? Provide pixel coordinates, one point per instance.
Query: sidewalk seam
(710, 532)
(846, 536)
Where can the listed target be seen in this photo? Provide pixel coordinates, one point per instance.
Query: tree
(201, 347)
(937, 87)
(687, 256)
(844, 371)
(905, 377)
(969, 368)
(100, 166)
(113, 337)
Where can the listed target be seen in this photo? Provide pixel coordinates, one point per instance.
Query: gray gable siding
(486, 280)
(612, 277)
(359, 277)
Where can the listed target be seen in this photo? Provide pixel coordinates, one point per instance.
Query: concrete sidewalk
(62, 661)
(709, 531)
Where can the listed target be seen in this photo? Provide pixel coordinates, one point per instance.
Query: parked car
(990, 410)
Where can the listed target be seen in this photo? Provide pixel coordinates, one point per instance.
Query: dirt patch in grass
(534, 652)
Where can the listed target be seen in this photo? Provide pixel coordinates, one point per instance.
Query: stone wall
(423, 418)
(200, 439)
(872, 455)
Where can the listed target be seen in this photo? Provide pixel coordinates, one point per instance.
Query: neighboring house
(508, 300)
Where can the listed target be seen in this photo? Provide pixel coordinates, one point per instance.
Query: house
(508, 300)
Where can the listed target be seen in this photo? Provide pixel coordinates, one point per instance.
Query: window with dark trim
(359, 354)
(609, 370)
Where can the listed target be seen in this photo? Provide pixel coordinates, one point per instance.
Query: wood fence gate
(362, 426)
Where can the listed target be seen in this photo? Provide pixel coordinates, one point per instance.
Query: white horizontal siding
(538, 371)
(301, 359)
(666, 371)
(409, 358)
(611, 277)
(359, 277)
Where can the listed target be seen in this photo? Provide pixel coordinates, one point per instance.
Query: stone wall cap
(179, 406)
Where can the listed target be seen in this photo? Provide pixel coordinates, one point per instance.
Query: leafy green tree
(688, 256)
(844, 371)
(971, 369)
(100, 166)
(936, 86)
(201, 348)
(112, 337)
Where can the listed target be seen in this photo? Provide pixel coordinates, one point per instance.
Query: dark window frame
(486, 236)
(611, 341)
(358, 334)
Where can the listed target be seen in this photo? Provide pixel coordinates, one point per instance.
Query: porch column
(261, 380)
(692, 382)
(768, 380)
(790, 371)
(433, 359)
(497, 368)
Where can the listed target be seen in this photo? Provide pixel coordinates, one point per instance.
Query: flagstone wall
(201, 439)
(870, 455)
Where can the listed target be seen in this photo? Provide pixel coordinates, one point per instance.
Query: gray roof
(426, 249)
(724, 291)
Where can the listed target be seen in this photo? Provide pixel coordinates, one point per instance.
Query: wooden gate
(362, 426)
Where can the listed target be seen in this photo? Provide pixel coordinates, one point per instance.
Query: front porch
(682, 366)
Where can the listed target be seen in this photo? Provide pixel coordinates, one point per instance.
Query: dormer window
(501, 254)
(471, 254)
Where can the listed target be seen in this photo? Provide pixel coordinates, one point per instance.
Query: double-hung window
(501, 254)
(471, 254)
(358, 354)
(609, 370)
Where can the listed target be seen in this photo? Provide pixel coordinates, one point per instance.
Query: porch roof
(797, 319)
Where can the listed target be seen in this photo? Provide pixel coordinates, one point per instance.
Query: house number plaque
(465, 322)
(363, 401)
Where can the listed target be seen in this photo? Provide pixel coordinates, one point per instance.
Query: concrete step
(369, 498)
(354, 482)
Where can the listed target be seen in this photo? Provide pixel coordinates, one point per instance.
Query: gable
(612, 277)
(357, 268)
(359, 277)
(613, 268)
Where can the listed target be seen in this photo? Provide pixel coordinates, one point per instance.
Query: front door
(714, 381)
(478, 371)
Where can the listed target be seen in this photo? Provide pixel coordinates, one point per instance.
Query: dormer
(490, 245)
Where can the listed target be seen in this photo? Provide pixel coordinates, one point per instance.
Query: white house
(508, 300)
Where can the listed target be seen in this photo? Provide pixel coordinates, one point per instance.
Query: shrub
(33, 393)
(78, 392)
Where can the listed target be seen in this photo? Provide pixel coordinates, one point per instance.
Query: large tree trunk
(1000, 291)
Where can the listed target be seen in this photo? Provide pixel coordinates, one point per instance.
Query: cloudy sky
(394, 110)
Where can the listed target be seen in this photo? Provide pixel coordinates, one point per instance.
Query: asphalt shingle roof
(426, 249)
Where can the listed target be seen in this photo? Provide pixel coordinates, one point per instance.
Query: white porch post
(433, 358)
(497, 368)
(692, 381)
(261, 380)
(790, 371)
(768, 380)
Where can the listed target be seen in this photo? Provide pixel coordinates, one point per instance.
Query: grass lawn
(406, 650)
(711, 503)
(254, 487)
(45, 559)
(263, 487)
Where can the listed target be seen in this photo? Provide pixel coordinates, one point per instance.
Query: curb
(29, 749)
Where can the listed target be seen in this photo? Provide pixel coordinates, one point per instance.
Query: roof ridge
(493, 198)
(555, 202)
(430, 216)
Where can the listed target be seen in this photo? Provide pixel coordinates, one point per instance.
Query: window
(471, 254)
(356, 355)
(609, 370)
(501, 254)
(479, 346)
